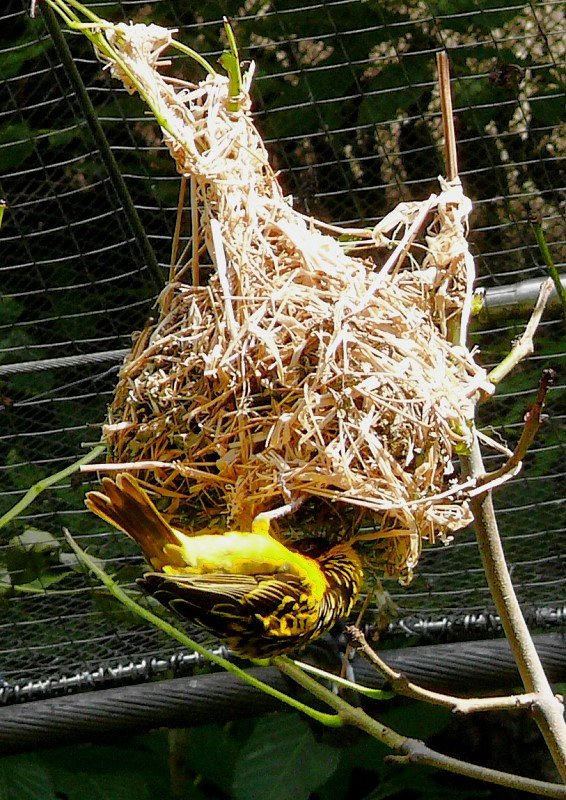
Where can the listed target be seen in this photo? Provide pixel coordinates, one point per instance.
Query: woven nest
(300, 370)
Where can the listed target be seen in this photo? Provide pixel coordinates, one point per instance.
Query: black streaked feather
(262, 615)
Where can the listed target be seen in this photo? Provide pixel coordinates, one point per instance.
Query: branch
(524, 346)
(546, 709)
(412, 750)
(533, 419)
(419, 753)
(459, 705)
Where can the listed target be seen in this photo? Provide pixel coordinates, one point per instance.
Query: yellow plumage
(263, 597)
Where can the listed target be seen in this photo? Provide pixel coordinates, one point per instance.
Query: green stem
(372, 694)
(45, 483)
(349, 714)
(188, 51)
(230, 60)
(329, 720)
(550, 266)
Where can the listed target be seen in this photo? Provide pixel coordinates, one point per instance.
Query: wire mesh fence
(346, 99)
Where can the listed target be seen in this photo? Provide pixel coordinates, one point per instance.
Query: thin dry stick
(402, 685)
(177, 231)
(450, 152)
(533, 419)
(547, 710)
(131, 466)
(524, 346)
(195, 233)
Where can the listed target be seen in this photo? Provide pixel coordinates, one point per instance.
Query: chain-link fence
(347, 101)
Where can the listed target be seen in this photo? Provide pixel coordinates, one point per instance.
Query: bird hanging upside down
(264, 598)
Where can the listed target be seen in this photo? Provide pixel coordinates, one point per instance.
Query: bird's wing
(223, 594)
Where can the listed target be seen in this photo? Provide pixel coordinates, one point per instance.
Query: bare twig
(177, 231)
(419, 753)
(547, 710)
(524, 346)
(411, 750)
(450, 153)
(133, 466)
(195, 234)
(533, 419)
(459, 705)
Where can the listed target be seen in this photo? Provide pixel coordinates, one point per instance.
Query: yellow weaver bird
(264, 598)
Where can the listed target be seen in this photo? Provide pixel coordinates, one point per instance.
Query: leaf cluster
(280, 757)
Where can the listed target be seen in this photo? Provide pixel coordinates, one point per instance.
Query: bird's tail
(126, 506)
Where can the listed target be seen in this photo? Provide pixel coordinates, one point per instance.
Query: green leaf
(71, 561)
(31, 556)
(119, 785)
(338, 785)
(63, 137)
(10, 310)
(283, 761)
(20, 53)
(22, 778)
(367, 754)
(22, 474)
(136, 769)
(416, 719)
(480, 101)
(115, 611)
(213, 754)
